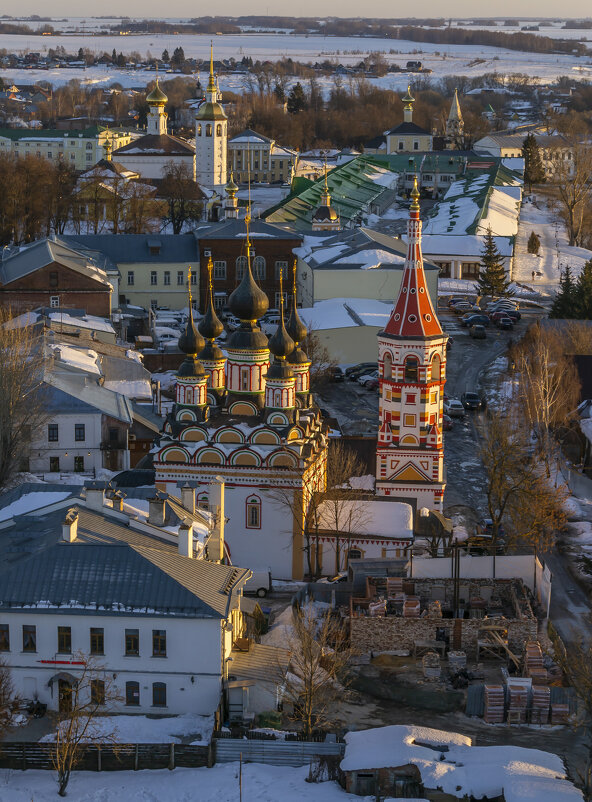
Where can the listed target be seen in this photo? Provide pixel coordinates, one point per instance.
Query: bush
(534, 243)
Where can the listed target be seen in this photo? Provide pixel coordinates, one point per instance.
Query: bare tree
(9, 701)
(91, 694)
(182, 195)
(322, 361)
(572, 166)
(316, 673)
(21, 393)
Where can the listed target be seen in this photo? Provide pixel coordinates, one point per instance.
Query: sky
(347, 8)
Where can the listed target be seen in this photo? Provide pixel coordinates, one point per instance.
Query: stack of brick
(457, 661)
(411, 607)
(434, 609)
(541, 700)
(431, 665)
(559, 713)
(533, 663)
(494, 704)
(518, 700)
(394, 586)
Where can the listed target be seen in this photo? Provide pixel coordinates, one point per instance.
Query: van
(259, 584)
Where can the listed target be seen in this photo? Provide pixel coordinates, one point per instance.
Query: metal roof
(231, 229)
(132, 248)
(45, 252)
(122, 579)
(75, 392)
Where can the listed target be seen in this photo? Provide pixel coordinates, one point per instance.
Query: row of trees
(574, 297)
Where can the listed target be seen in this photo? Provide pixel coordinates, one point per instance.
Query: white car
(454, 408)
(363, 380)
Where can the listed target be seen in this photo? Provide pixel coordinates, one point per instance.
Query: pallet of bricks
(533, 664)
(517, 703)
(494, 704)
(541, 701)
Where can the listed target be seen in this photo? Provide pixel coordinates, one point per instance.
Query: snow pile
(371, 258)
(80, 358)
(447, 760)
(144, 730)
(138, 388)
(29, 502)
(84, 322)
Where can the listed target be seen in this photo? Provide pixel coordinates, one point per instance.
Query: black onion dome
(295, 327)
(298, 357)
(248, 301)
(280, 370)
(211, 353)
(191, 341)
(281, 344)
(191, 366)
(247, 337)
(210, 326)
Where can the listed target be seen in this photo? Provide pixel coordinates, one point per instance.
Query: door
(64, 696)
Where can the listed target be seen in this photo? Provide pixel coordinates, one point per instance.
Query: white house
(104, 582)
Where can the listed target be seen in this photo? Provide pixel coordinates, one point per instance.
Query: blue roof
(128, 248)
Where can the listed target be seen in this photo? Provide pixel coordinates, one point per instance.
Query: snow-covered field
(555, 253)
(443, 60)
(144, 730)
(218, 784)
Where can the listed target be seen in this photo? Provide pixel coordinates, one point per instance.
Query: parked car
(366, 377)
(359, 367)
(505, 323)
(259, 583)
(453, 408)
(485, 527)
(514, 314)
(472, 319)
(456, 299)
(471, 400)
(478, 332)
(365, 371)
(447, 423)
(497, 315)
(373, 384)
(336, 374)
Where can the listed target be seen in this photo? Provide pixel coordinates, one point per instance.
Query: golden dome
(157, 96)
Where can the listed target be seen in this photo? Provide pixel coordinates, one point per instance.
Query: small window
(54, 301)
(132, 642)
(89, 145)
(113, 434)
(193, 278)
(199, 129)
(97, 640)
(53, 278)
(158, 694)
(97, 692)
(208, 130)
(281, 298)
(416, 145)
(153, 304)
(401, 145)
(203, 502)
(281, 269)
(253, 513)
(52, 433)
(259, 268)
(29, 638)
(153, 278)
(4, 638)
(218, 130)
(159, 643)
(78, 464)
(64, 640)
(220, 269)
(181, 278)
(409, 420)
(132, 694)
(245, 380)
(167, 278)
(220, 299)
(241, 266)
(154, 250)
(54, 464)
(79, 432)
(130, 278)
(411, 369)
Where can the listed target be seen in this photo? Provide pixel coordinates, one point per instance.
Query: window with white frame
(241, 266)
(281, 269)
(259, 268)
(153, 278)
(220, 269)
(54, 301)
(253, 512)
(130, 278)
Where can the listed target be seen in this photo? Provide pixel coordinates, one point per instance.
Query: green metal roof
(52, 133)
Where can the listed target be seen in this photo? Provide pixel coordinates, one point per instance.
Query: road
(570, 603)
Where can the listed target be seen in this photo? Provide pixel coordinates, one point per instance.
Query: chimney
(188, 498)
(216, 540)
(117, 500)
(95, 495)
(70, 526)
(156, 510)
(186, 540)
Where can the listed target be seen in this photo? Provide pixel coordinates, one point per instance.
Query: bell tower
(412, 371)
(211, 132)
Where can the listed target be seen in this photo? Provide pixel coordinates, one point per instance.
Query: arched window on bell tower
(387, 366)
(436, 368)
(411, 369)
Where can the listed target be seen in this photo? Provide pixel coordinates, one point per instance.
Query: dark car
(478, 332)
(514, 314)
(505, 323)
(336, 374)
(361, 367)
(471, 400)
(447, 423)
(372, 384)
(485, 527)
(498, 314)
(474, 320)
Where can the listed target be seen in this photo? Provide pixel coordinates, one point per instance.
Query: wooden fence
(124, 757)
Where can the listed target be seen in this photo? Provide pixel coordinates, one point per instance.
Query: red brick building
(272, 249)
(49, 274)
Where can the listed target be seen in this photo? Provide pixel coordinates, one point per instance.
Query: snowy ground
(144, 730)
(218, 784)
(555, 253)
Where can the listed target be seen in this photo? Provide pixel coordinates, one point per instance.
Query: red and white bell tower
(412, 371)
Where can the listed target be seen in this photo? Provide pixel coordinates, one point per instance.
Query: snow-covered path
(555, 253)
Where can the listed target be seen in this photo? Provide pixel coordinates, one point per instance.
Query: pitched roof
(45, 252)
(128, 248)
(120, 579)
(233, 229)
(409, 128)
(156, 145)
(47, 133)
(249, 136)
(74, 392)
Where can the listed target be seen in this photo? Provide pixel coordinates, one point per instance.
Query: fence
(274, 753)
(124, 757)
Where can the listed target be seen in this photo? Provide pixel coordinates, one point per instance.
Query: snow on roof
(83, 322)
(388, 518)
(81, 358)
(138, 388)
(447, 760)
(461, 245)
(341, 313)
(29, 502)
(371, 258)
(502, 212)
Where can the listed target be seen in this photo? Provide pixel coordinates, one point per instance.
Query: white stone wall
(66, 448)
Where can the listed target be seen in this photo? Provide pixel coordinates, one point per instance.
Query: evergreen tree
(178, 57)
(492, 278)
(165, 56)
(534, 172)
(583, 293)
(114, 55)
(296, 99)
(564, 305)
(534, 243)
